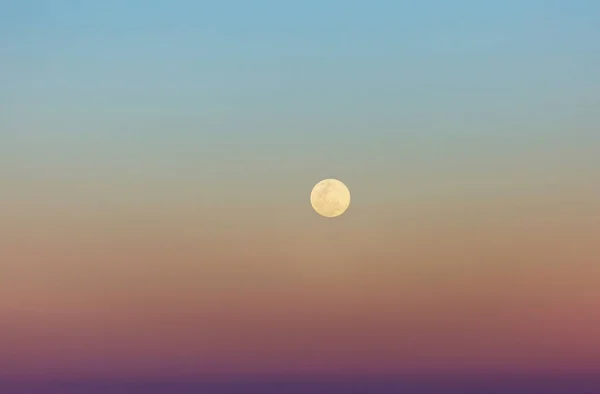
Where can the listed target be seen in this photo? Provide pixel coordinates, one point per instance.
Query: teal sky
(366, 90)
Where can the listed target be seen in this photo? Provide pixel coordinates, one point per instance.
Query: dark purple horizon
(434, 384)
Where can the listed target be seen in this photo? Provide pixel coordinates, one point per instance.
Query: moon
(330, 198)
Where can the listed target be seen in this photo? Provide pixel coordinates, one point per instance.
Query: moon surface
(330, 198)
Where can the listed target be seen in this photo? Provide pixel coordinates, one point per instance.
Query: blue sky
(385, 83)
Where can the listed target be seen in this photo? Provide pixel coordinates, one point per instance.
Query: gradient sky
(156, 160)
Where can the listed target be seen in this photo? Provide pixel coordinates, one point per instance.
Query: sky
(157, 157)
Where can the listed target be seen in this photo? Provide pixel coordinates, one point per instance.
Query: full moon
(330, 198)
